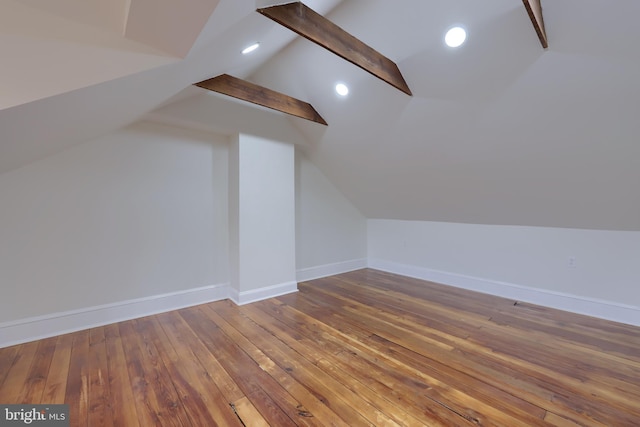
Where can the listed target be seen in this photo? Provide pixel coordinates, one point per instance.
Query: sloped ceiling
(499, 131)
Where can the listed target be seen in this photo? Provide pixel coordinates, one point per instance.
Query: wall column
(261, 218)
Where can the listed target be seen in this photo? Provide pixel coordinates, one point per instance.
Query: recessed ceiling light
(342, 89)
(251, 48)
(455, 37)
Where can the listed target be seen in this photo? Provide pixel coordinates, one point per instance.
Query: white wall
(331, 234)
(140, 220)
(137, 213)
(528, 263)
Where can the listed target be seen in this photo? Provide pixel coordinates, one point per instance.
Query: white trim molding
(576, 304)
(326, 270)
(254, 295)
(34, 328)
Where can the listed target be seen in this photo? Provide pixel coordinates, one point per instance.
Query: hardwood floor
(359, 349)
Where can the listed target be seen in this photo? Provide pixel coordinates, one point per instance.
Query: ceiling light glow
(251, 48)
(455, 37)
(342, 89)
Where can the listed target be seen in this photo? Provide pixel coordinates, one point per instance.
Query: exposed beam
(313, 26)
(250, 92)
(534, 9)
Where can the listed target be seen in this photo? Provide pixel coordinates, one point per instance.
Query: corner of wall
(255, 295)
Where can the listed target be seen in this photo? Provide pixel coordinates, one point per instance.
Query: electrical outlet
(572, 262)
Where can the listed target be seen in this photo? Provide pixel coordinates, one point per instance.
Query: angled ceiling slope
(316, 28)
(81, 43)
(68, 65)
(108, 15)
(250, 92)
(168, 25)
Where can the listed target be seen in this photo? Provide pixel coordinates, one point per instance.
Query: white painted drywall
(607, 266)
(137, 213)
(329, 229)
(262, 214)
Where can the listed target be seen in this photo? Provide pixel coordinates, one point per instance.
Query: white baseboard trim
(326, 270)
(247, 297)
(576, 304)
(34, 328)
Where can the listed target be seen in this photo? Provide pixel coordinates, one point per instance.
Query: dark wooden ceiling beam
(250, 92)
(316, 28)
(534, 9)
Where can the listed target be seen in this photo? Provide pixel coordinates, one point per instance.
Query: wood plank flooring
(364, 348)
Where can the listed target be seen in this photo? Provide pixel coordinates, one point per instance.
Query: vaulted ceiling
(498, 131)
